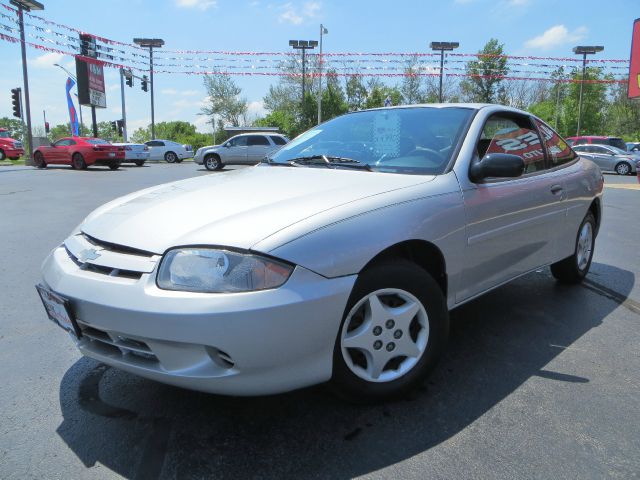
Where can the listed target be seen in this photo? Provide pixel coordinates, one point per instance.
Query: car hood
(235, 209)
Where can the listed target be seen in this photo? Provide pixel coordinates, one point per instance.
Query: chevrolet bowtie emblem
(88, 254)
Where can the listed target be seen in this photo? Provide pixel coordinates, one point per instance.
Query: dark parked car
(599, 140)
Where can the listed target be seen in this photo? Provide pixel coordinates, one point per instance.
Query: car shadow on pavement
(142, 429)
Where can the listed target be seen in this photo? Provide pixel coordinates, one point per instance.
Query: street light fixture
(584, 51)
(303, 45)
(27, 5)
(442, 47)
(150, 43)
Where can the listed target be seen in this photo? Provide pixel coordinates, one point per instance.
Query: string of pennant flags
(50, 36)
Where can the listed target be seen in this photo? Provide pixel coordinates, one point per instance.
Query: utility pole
(124, 111)
(442, 47)
(303, 45)
(323, 31)
(584, 51)
(150, 43)
(27, 5)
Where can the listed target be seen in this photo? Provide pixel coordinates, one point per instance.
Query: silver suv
(244, 149)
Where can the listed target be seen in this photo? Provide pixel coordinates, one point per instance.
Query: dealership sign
(90, 73)
(634, 64)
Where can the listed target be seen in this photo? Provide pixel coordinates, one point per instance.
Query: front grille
(17, 145)
(117, 344)
(106, 258)
(116, 248)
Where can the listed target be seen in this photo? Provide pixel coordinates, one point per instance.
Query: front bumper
(13, 152)
(239, 344)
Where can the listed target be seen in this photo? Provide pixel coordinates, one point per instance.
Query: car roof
(258, 133)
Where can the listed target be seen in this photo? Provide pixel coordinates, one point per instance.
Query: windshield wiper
(330, 162)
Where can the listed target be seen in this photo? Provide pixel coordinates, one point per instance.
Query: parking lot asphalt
(540, 380)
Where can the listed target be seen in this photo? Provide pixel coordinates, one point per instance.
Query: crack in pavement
(600, 289)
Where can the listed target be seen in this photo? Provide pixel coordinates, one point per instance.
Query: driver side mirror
(500, 165)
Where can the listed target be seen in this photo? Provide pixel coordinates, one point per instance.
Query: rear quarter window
(278, 140)
(560, 152)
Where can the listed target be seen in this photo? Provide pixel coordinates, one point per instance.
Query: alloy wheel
(585, 246)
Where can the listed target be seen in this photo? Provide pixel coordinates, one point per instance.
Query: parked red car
(9, 147)
(80, 153)
(599, 140)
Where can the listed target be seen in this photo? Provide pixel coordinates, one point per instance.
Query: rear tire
(369, 361)
(623, 168)
(38, 160)
(212, 162)
(574, 268)
(170, 157)
(14, 158)
(2, 155)
(114, 166)
(140, 163)
(77, 162)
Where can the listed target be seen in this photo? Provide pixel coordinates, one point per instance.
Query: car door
(603, 157)
(511, 223)
(58, 151)
(235, 151)
(257, 148)
(156, 149)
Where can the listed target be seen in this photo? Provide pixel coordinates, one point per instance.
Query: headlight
(210, 270)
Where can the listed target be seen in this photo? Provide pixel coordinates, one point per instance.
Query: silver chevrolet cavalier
(337, 259)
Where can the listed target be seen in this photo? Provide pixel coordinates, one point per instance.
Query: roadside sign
(634, 63)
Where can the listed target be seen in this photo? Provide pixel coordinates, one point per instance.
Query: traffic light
(144, 83)
(46, 127)
(128, 79)
(15, 100)
(120, 124)
(114, 126)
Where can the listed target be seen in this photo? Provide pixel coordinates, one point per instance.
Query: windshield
(417, 140)
(4, 135)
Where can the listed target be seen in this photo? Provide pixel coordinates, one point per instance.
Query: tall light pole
(303, 45)
(584, 51)
(27, 5)
(442, 47)
(323, 31)
(150, 43)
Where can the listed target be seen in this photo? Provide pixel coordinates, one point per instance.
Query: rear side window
(154, 143)
(257, 140)
(97, 141)
(278, 140)
(581, 141)
(514, 135)
(559, 151)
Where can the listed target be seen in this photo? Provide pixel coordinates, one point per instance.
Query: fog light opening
(220, 358)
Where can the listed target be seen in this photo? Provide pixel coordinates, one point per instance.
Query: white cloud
(256, 109)
(190, 93)
(47, 60)
(518, 3)
(113, 87)
(169, 91)
(556, 36)
(199, 4)
(290, 14)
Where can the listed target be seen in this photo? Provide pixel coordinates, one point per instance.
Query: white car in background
(171, 152)
(137, 153)
(243, 149)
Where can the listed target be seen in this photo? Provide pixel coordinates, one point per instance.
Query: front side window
(559, 151)
(257, 140)
(63, 143)
(513, 134)
(238, 142)
(411, 140)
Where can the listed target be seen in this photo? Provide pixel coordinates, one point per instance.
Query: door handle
(556, 189)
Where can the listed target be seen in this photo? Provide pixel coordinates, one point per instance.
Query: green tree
(594, 104)
(13, 125)
(622, 117)
(224, 99)
(412, 86)
(484, 74)
(379, 93)
(356, 93)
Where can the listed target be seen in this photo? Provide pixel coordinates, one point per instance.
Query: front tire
(212, 162)
(623, 168)
(170, 157)
(393, 332)
(140, 163)
(38, 160)
(573, 269)
(77, 162)
(2, 155)
(114, 166)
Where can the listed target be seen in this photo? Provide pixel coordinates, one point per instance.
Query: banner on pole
(73, 117)
(634, 64)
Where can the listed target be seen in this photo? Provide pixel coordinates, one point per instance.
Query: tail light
(146, 148)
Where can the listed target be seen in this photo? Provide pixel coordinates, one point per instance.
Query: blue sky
(526, 27)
